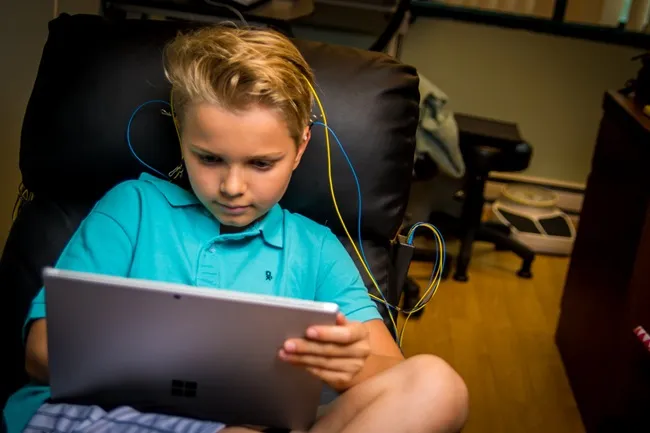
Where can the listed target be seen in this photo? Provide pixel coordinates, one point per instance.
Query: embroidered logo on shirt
(269, 277)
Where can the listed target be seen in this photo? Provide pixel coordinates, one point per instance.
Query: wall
(79, 6)
(551, 86)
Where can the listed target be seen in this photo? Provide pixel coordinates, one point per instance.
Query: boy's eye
(209, 159)
(261, 164)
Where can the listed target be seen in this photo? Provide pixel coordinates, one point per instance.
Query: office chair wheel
(524, 274)
(461, 276)
(525, 271)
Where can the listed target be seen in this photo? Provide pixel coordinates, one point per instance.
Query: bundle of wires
(436, 274)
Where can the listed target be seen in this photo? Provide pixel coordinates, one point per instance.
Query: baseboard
(570, 195)
(542, 181)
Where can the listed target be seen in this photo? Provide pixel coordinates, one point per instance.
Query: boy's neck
(224, 229)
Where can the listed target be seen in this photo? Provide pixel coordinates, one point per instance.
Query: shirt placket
(208, 273)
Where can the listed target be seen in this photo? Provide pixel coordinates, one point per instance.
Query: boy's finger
(353, 331)
(307, 347)
(349, 365)
(335, 379)
(341, 320)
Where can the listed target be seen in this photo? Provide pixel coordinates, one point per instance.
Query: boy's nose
(232, 184)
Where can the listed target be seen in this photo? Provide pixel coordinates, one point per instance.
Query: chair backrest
(94, 73)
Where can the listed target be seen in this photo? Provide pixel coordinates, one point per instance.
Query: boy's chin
(236, 222)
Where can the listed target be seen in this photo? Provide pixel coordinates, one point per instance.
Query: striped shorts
(70, 418)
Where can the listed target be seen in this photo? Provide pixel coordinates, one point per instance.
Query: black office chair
(94, 72)
(487, 145)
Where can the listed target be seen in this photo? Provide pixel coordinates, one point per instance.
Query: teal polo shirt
(153, 229)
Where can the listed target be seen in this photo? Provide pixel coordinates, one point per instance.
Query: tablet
(169, 348)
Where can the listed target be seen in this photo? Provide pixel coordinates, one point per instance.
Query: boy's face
(239, 164)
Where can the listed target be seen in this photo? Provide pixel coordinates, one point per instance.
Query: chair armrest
(480, 131)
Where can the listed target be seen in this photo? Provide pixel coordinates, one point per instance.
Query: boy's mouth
(233, 210)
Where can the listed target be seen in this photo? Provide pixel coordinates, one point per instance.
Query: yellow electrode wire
(435, 281)
(336, 206)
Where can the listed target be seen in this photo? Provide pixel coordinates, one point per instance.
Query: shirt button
(212, 249)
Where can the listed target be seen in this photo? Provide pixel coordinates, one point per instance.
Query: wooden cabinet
(607, 290)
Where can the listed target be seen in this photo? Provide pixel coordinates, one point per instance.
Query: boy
(243, 103)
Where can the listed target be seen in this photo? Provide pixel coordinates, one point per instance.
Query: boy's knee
(437, 384)
(429, 371)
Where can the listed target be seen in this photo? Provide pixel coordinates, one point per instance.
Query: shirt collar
(175, 195)
(271, 226)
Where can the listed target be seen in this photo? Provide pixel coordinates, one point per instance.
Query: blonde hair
(236, 68)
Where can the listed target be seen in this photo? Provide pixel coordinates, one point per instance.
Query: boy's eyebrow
(271, 155)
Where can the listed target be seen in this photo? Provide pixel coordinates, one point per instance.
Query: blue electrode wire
(359, 207)
(128, 134)
(412, 231)
(442, 241)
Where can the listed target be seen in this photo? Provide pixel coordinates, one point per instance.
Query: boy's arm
(384, 352)
(340, 282)
(102, 244)
(36, 352)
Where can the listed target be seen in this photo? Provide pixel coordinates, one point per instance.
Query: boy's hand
(335, 354)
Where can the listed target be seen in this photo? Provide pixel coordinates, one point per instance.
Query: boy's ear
(306, 136)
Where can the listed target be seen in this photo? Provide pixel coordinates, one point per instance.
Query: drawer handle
(643, 336)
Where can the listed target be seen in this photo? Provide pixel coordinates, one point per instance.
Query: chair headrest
(94, 73)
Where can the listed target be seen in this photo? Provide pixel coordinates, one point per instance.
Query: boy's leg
(422, 394)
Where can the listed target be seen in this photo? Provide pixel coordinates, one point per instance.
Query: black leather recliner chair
(94, 73)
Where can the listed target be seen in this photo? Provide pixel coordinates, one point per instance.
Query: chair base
(497, 234)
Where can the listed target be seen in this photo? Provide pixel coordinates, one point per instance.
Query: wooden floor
(497, 331)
